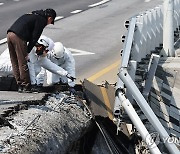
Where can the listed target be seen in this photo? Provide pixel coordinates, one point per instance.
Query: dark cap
(50, 13)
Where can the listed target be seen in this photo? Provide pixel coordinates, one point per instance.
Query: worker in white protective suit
(48, 59)
(52, 60)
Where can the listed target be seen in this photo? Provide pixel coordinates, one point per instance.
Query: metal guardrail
(145, 35)
(128, 43)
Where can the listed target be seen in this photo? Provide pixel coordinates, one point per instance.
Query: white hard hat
(58, 50)
(46, 41)
(43, 40)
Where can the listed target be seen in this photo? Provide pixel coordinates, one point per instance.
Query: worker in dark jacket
(21, 38)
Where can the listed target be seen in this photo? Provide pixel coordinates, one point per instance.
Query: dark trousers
(18, 53)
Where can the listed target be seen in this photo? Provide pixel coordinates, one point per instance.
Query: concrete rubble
(49, 128)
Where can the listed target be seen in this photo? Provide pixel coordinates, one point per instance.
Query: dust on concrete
(46, 129)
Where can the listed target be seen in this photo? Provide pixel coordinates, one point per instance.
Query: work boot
(20, 89)
(26, 89)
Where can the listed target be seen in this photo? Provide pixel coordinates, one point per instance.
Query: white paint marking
(76, 52)
(16, 0)
(76, 11)
(1, 3)
(147, 1)
(99, 3)
(58, 18)
(3, 41)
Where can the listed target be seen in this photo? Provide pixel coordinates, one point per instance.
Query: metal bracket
(150, 75)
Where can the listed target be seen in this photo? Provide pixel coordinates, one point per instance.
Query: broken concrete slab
(48, 128)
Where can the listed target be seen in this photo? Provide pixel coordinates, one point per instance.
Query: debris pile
(49, 128)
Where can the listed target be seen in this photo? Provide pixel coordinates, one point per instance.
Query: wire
(104, 137)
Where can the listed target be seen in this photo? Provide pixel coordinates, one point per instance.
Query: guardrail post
(117, 103)
(151, 72)
(125, 59)
(168, 29)
(132, 72)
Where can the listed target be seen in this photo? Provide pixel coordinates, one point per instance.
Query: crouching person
(52, 61)
(45, 59)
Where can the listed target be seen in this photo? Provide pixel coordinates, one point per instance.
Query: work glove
(72, 91)
(70, 77)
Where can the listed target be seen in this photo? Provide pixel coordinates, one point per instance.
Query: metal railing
(144, 37)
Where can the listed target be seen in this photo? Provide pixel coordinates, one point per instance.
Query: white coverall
(67, 63)
(54, 69)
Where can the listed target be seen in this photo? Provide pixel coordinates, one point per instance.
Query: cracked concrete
(46, 129)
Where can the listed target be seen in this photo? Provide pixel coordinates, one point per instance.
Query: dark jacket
(29, 27)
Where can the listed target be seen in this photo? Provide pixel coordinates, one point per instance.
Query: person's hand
(70, 77)
(27, 58)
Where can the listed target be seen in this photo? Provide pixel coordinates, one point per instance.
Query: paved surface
(10, 99)
(15, 96)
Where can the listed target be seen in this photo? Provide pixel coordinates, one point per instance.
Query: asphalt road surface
(93, 32)
(10, 10)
